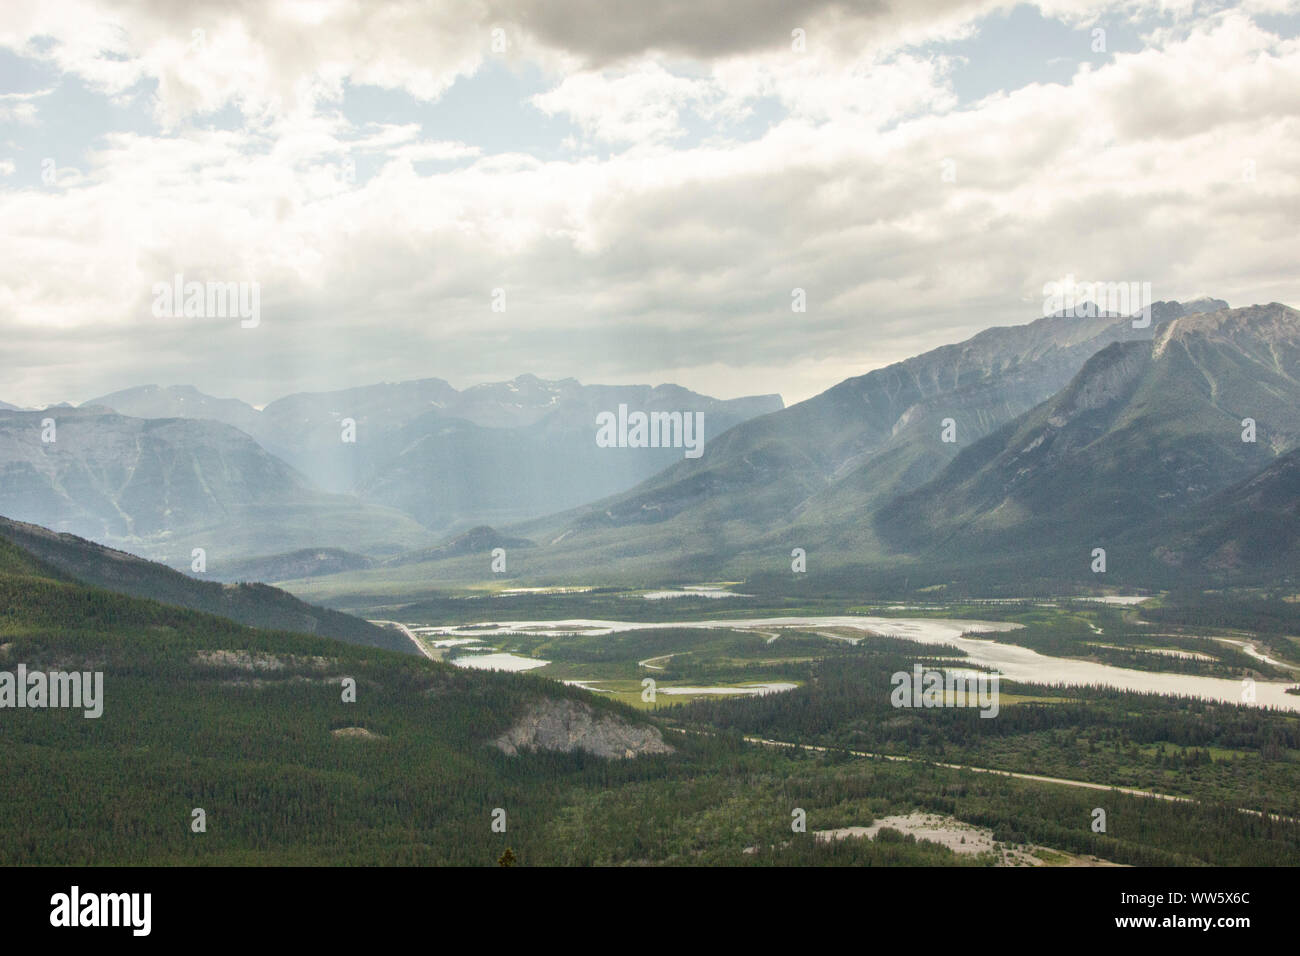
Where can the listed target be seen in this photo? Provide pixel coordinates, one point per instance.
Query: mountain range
(164, 471)
(1145, 433)
(1024, 444)
(1070, 434)
(811, 475)
(165, 487)
(497, 452)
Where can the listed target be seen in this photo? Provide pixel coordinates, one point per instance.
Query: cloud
(20, 108)
(266, 59)
(729, 28)
(668, 256)
(285, 56)
(642, 105)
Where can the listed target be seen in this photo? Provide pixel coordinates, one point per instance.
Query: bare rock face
(357, 733)
(569, 725)
(1106, 378)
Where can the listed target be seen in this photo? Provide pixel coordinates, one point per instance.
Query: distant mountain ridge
(162, 487)
(178, 401)
(492, 453)
(813, 470)
(1071, 434)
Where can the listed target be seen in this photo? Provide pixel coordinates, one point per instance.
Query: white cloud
(20, 108)
(641, 105)
(272, 57)
(669, 259)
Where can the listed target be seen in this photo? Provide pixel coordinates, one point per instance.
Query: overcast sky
(646, 181)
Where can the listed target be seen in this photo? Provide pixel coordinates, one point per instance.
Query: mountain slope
(808, 476)
(162, 487)
(450, 472)
(1141, 434)
(1250, 531)
(252, 727)
(19, 562)
(303, 563)
(255, 605)
(494, 453)
(812, 471)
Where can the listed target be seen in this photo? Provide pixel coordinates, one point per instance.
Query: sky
(618, 192)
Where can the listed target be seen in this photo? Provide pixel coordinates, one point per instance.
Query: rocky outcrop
(1105, 378)
(569, 725)
(357, 733)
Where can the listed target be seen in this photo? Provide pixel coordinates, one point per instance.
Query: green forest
(248, 736)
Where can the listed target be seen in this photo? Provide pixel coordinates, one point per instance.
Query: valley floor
(782, 734)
